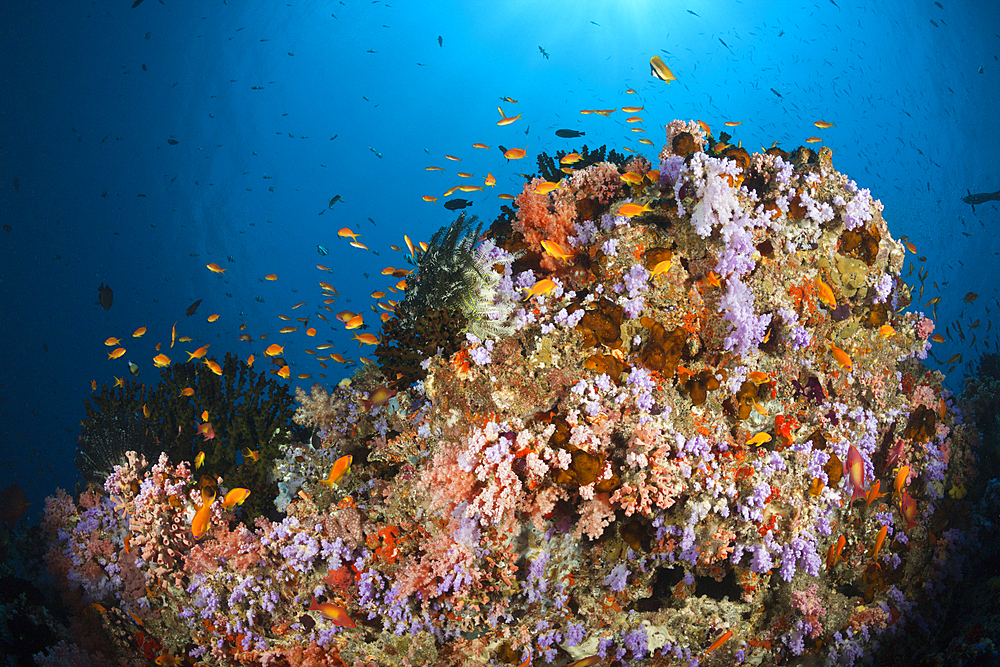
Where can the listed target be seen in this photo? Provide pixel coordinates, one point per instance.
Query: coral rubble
(707, 437)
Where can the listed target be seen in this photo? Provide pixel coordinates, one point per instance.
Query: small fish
(759, 439)
(570, 158)
(341, 467)
(139, 332)
(823, 125)
(366, 339)
(879, 539)
(507, 120)
(556, 250)
(970, 297)
(332, 612)
(274, 350)
(938, 338)
(541, 287)
(569, 134)
(284, 372)
(235, 497)
(730, 123)
(199, 460)
(886, 330)
(354, 322)
(215, 268)
(856, 473)
(632, 210)
(321, 250)
(213, 366)
(114, 354)
(187, 391)
(457, 204)
(192, 308)
(813, 140)
(841, 357)
(105, 296)
(546, 187)
(660, 70)
(515, 153)
(287, 330)
(213, 317)
(825, 293)
(112, 341)
(199, 524)
(161, 361)
(728, 633)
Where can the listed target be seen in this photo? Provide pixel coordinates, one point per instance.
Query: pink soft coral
(545, 218)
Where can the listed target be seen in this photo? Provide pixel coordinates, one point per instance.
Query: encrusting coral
(686, 427)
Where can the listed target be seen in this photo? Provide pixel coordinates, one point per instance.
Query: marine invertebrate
(622, 466)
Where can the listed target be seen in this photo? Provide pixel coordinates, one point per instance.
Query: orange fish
(900, 482)
(813, 140)
(730, 123)
(288, 330)
(632, 210)
(429, 198)
(114, 354)
(545, 188)
(759, 439)
(490, 181)
(541, 287)
(348, 232)
(332, 612)
(515, 153)
(271, 276)
(823, 125)
(825, 293)
(213, 366)
(874, 494)
(879, 539)
(759, 378)
(886, 331)
(111, 341)
(311, 331)
(161, 361)
(138, 332)
(631, 178)
(570, 158)
(274, 350)
(938, 338)
(235, 497)
(908, 507)
(187, 391)
(323, 268)
(366, 339)
(93, 385)
(453, 158)
(199, 353)
(173, 334)
(250, 360)
(841, 357)
(215, 268)
(199, 524)
(199, 460)
(213, 317)
(341, 467)
(284, 372)
(556, 250)
(856, 473)
(507, 120)
(355, 321)
(378, 398)
(119, 382)
(720, 641)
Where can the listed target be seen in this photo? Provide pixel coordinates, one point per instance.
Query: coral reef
(247, 411)
(698, 433)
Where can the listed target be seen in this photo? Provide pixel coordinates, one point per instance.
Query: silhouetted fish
(193, 307)
(456, 204)
(106, 296)
(569, 134)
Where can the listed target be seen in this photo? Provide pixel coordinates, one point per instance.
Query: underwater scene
(388, 334)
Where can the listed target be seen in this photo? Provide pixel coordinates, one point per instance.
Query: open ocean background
(278, 107)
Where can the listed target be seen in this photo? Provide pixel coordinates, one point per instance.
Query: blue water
(103, 197)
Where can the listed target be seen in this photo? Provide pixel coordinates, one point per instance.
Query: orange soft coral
(548, 217)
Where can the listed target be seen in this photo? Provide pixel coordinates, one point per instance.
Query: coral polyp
(686, 445)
